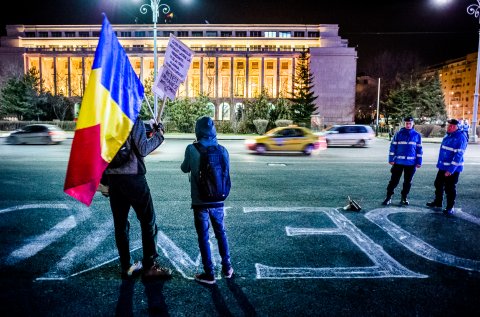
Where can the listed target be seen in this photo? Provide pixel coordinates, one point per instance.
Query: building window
(284, 65)
(83, 34)
(313, 34)
(196, 65)
(69, 34)
(270, 34)
(255, 33)
(29, 34)
(210, 65)
(211, 33)
(284, 34)
(298, 34)
(226, 33)
(240, 65)
(167, 33)
(225, 48)
(270, 48)
(225, 65)
(241, 33)
(182, 33)
(269, 65)
(56, 34)
(139, 33)
(125, 34)
(254, 65)
(255, 48)
(240, 48)
(197, 33)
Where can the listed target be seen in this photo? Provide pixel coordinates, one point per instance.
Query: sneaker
(156, 271)
(205, 278)
(228, 273)
(404, 202)
(387, 201)
(434, 204)
(448, 212)
(135, 268)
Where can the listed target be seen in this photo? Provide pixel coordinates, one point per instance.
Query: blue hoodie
(206, 135)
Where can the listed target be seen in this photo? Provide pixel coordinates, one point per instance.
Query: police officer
(405, 157)
(450, 165)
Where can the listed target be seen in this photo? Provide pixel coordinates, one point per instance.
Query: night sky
(433, 33)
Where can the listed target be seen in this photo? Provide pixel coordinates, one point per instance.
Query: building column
(69, 80)
(278, 77)
(201, 75)
(83, 75)
(55, 75)
(246, 78)
(262, 75)
(216, 77)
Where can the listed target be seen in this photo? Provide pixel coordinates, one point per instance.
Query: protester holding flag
(128, 188)
(108, 121)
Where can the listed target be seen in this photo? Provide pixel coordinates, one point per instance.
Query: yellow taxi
(287, 139)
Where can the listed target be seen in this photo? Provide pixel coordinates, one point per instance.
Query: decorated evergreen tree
(303, 98)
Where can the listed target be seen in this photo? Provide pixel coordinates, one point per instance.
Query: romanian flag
(110, 106)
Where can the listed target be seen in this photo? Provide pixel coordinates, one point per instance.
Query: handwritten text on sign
(167, 83)
(178, 57)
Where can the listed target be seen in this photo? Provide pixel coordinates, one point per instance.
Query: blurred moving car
(291, 138)
(349, 134)
(37, 134)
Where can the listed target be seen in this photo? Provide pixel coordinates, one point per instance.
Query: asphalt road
(295, 251)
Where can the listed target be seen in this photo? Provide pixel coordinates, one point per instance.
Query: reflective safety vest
(451, 153)
(406, 148)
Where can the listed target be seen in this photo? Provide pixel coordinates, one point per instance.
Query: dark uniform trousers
(447, 184)
(397, 170)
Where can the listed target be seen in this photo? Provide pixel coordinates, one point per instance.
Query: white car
(350, 134)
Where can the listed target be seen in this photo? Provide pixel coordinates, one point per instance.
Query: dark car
(37, 134)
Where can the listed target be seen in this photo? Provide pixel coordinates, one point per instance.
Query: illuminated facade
(232, 62)
(457, 78)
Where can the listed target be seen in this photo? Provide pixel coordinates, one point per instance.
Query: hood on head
(205, 128)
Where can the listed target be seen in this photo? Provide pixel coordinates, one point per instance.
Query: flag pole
(161, 109)
(150, 107)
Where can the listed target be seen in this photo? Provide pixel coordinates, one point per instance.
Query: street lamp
(155, 5)
(473, 9)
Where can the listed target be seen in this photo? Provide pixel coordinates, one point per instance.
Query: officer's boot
(387, 201)
(404, 201)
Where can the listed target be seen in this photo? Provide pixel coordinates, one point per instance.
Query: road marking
(42, 241)
(385, 266)
(181, 260)
(417, 245)
(80, 252)
(35, 206)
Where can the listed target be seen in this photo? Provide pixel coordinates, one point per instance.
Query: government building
(232, 62)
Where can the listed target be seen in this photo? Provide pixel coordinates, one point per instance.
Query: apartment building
(457, 77)
(232, 62)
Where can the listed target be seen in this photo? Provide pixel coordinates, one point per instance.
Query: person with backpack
(208, 165)
(128, 188)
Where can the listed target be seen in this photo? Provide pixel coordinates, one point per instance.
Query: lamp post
(473, 9)
(155, 5)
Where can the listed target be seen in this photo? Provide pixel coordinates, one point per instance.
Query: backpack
(122, 156)
(214, 177)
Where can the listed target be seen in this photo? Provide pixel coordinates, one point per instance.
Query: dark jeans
(449, 185)
(397, 170)
(132, 191)
(201, 217)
